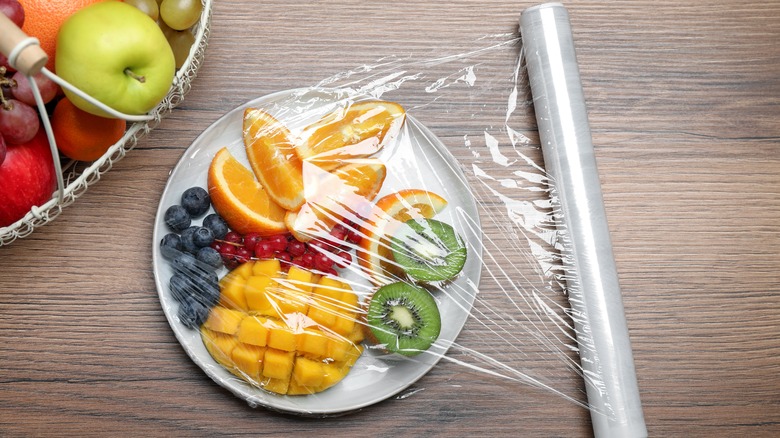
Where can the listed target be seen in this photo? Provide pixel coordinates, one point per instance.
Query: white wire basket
(78, 176)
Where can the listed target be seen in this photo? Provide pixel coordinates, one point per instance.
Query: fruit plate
(415, 159)
(78, 176)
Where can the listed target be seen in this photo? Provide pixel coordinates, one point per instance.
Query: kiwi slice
(428, 250)
(404, 318)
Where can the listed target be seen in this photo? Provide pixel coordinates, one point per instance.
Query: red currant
(250, 241)
(233, 237)
(264, 250)
(278, 242)
(296, 248)
(344, 259)
(322, 262)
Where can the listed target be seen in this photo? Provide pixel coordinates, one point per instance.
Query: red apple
(27, 178)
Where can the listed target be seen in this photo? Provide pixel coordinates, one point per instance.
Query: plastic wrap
(389, 175)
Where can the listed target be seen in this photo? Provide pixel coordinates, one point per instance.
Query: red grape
(13, 10)
(18, 122)
(24, 93)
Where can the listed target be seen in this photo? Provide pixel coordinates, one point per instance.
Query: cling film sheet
(320, 249)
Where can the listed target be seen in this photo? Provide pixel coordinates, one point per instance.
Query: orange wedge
(270, 153)
(374, 254)
(357, 131)
(240, 199)
(345, 192)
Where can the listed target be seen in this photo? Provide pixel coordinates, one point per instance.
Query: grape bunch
(176, 19)
(18, 117)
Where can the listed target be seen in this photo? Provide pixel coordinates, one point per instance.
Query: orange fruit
(270, 153)
(83, 136)
(333, 196)
(359, 130)
(43, 19)
(240, 199)
(373, 253)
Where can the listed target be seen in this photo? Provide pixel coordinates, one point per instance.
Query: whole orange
(83, 136)
(43, 18)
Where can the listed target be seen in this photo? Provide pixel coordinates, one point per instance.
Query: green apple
(116, 54)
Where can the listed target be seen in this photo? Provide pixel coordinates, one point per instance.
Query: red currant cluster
(321, 254)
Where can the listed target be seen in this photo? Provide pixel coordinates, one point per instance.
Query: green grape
(180, 42)
(148, 7)
(180, 14)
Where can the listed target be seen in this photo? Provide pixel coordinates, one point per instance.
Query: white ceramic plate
(416, 159)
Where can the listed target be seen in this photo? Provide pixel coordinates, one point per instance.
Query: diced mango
(256, 295)
(289, 333)
(220, 346)
(314, 343)
(278, 364)
(253, 331)
(268, 268)
(233, 295)
(308, 372)
(224, 320)
(282, 337)
(279, 386)
(248, 359)
(244, 270)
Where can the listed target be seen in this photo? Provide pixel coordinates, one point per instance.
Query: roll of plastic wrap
(591, 275)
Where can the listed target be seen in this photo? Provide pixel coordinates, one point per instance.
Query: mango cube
(253, 331)
(224, 320)
(278, 364)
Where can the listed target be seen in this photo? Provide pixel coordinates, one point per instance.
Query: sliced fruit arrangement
(327, 174)
(293, 333)
(358, 131)
(281, 318)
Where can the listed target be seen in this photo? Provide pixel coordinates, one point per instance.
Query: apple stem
(130, 73)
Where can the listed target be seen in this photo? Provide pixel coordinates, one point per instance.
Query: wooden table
(684, 104)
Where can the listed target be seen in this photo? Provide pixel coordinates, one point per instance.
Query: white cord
(50, 134)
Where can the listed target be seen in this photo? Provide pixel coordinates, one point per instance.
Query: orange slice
(240, 199)
(345, 192)
(374, 254)
(270, 153)
(357, 131)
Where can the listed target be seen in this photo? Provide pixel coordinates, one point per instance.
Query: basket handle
(24, 53)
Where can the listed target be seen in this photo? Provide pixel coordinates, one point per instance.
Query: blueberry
(192, 313)
(216, 224)
(202, 237)
(209, 256)
(187, 264)
(170, 245)
(188, 239)
(180, 287)
(177, 218)
(196, 201)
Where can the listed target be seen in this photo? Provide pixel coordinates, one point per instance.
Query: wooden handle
(31, 58)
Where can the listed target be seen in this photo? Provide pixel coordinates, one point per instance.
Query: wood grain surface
(684, 105)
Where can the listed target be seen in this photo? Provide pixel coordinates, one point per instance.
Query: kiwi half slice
(428, 250)
(404, 318)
